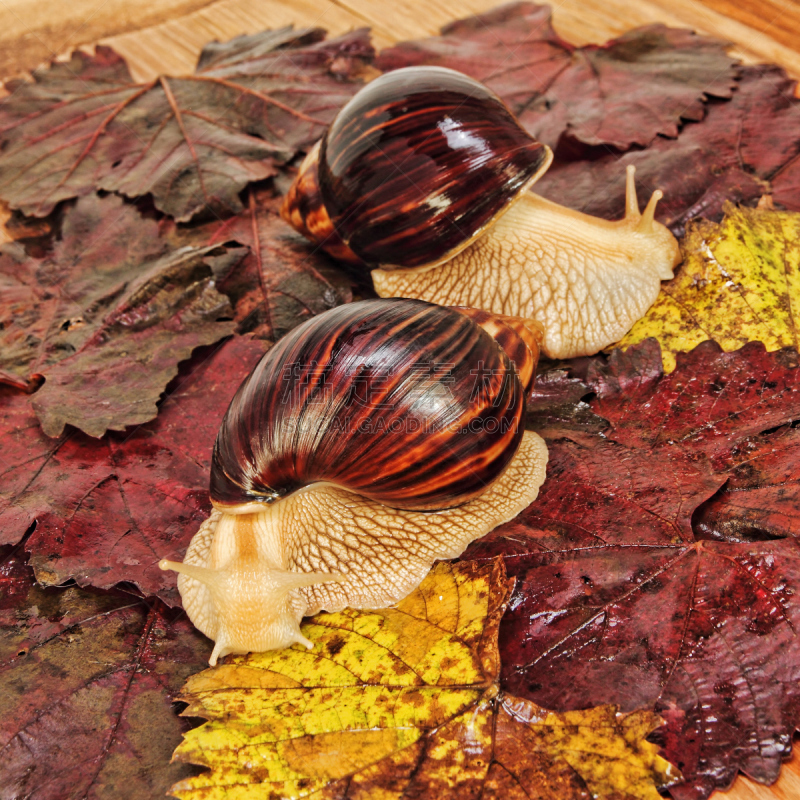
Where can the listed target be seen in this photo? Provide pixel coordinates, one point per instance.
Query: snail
(424, 174)
(368, 442)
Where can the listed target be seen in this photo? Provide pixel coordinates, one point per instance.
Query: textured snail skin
(315, 509)
(426, 174)
(585, 280)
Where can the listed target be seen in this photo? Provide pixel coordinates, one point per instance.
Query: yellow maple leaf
(739, 282)
(405, 701)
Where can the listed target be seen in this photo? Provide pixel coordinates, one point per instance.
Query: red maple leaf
(107, 316)
(622, 93)
(88, 681)
(282, 281)
(744, 148)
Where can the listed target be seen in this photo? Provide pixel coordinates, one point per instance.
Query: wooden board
(165, 36)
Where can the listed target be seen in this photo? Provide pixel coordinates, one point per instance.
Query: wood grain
(166, 36)
(33, 32)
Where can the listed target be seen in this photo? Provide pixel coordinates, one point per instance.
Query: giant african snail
(367, 443)
(425, 174)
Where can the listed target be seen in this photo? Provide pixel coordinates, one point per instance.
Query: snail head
(234, 590)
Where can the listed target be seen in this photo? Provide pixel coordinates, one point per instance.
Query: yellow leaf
(405, 701)
(740, 282)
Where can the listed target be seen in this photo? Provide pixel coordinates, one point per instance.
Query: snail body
(368, 442)
(424, 178)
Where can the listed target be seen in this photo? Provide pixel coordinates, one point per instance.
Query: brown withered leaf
(88, 680)
(105, 330)
(282, 281)
(103, 242)
(622, 93)
(193, 142)
(744, 148)
(403, 702)
(119, 373)
(107, 511)
(643, 577)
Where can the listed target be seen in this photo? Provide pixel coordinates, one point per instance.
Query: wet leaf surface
(625, 596)
(738, 283)
(622, 93)
(404, 701)
(107, 511)
(193, 142)
(88, 681)
(759, 500)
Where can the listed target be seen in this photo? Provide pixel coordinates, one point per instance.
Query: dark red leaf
(192, 142)
(43, 301)
(557, 402)
(622, 93)
(88, 680)
(628, 594)
(282, 281)
(733, 154)
(107, 511)
(104, 329)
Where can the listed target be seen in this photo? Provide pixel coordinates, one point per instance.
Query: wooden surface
(165, 36)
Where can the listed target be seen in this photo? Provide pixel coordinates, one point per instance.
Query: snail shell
(368, 442)
(406, 403)
(416, 165)
(425, 173)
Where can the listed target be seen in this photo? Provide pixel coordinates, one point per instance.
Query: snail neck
(585, 280)
(235, 586)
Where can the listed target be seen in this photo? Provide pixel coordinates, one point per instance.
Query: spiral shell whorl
(401, 401)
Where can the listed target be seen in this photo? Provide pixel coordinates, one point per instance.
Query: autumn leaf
(106, 511)
(103, 243)
(282, 281)
(622, 93)
(104, 330)
(744, 148)
(193, 142)
(636, 583)
(404, 701)
(88, 680)
(738, 283)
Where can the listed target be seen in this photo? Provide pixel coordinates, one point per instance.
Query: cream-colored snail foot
(584, 280)
(249, 578)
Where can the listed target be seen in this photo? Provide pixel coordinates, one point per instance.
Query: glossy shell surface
(419, 162)
(401, 401)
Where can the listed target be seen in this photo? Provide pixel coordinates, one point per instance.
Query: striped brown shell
(419, 162)
(401, 401)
